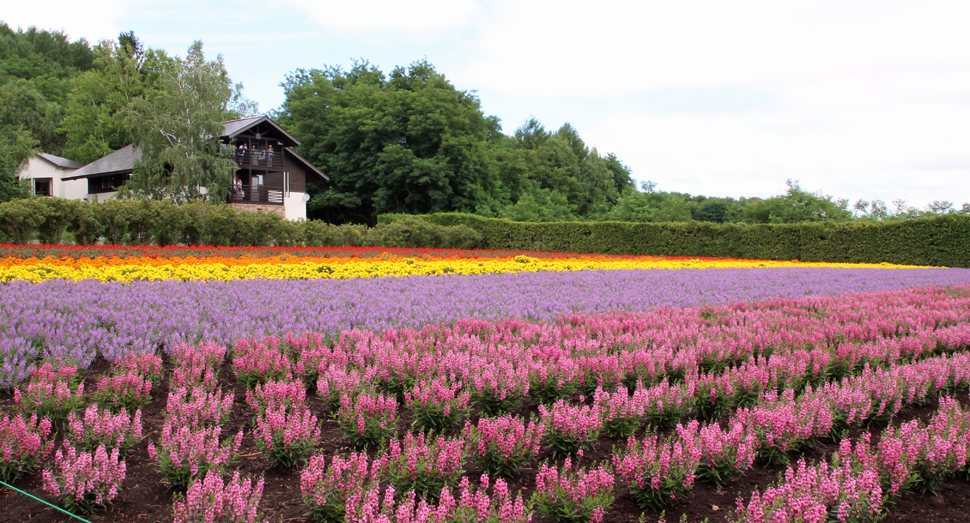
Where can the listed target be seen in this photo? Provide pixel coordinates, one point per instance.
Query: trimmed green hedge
(148, 222)
(940, 241)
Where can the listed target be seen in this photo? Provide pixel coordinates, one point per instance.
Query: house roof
(120, 161)
(233, 128)
(60, 162)
(123, 160)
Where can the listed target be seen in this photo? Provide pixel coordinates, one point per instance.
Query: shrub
(368, 418)
(474, 505)
(326, 488)
(569, 428)
(123, 392)
(50, 395)
(198, 408)
(276, 395)
(258, 362)
(436, 404)
(146, 365)
(656, 471)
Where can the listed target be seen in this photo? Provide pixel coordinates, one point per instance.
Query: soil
(146, 498)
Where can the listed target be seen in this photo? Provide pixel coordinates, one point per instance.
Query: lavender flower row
(67, 319)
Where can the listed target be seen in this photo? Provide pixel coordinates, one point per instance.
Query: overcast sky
(857, 99)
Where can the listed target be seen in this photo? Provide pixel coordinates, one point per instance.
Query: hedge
(149, 222)
(940, 241)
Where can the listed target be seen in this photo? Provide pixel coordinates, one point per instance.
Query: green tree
(16, 147)
(650, 205)
(36, 68)
(875, 210)
(23, 105)
(562, 163)
(176, 130)
(797, 206)
(94, 121)
(711, 211)
(408, 142)
(542, 205)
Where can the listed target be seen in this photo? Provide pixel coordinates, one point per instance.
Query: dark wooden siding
(273, 179)
(297, 181)
(291, 166)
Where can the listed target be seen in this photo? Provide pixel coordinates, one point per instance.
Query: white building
(46, 172)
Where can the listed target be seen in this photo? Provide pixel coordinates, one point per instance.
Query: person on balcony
(241, 153)
(269, 156)
(237, 189)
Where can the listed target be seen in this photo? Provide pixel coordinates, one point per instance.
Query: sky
(856, 99)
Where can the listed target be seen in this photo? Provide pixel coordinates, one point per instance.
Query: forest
(407, 141)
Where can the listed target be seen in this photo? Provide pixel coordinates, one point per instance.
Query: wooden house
(271, 176)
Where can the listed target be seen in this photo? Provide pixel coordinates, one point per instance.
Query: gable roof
(59, 162)
(123, 160)
(234, 128)
(120, 161)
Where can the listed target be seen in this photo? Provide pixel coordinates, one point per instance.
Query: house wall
(294, 206)
(74, 189)
(254, 207)
(101, 197)
(40, 168)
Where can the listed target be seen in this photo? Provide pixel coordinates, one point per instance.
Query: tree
(650, 205)
(94, 121)
(23, 105)
(712, 210)
(874, 210)
(409, 142)
(16, 147)
(542, 205)
(36, 68)
(797, 206)
(176, 128)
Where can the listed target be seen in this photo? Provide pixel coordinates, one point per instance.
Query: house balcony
(259, 159)
(261, 194)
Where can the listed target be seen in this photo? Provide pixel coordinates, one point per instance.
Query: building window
(109, 183)
(43, 186)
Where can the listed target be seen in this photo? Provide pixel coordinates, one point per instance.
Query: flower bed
(718, 374)
(115, 263)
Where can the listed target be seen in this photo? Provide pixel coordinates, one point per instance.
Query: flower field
(228, 264)
(220, 384)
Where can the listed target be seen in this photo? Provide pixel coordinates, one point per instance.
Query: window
(108, 183)
(43, 186)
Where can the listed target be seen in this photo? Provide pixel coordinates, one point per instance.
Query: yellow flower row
(341, 268)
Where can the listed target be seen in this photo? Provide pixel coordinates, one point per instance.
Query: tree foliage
(410, 142)
(176, 128)
(36, 70)
(797, 206)
(405, 142)
(94, 122)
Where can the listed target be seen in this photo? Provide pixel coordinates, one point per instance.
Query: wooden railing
(260, 194)
(259, 159)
